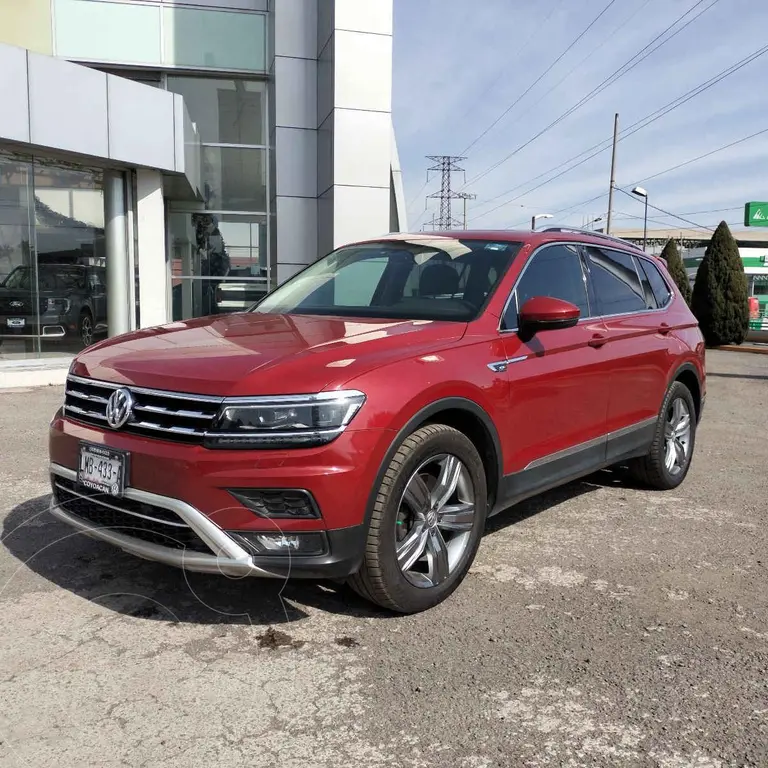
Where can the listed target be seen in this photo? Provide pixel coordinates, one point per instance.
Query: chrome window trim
(513, 291)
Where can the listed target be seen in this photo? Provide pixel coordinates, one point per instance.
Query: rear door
(558, 380)
(638, 345)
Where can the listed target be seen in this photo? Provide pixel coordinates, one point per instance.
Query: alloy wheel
(435, 520)
(677, 436)
(86, 330)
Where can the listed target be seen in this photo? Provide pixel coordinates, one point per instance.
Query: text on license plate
(101, 470)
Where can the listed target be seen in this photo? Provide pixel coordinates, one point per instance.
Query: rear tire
(427, 521)
(667, 462)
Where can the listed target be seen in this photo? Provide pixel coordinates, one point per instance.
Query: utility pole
(466, 196)
(613, 173)
(446, 165)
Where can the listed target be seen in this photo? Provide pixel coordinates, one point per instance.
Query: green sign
(756, 215)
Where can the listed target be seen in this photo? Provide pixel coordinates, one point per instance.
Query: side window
(554, 271)
(645, 284)
(658, 284)
(617, 286)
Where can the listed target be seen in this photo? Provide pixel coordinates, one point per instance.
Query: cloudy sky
(460, 65)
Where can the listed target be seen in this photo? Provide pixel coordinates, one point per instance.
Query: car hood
(254, 354)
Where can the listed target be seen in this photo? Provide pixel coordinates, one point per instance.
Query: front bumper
(226, 556)
(49, 326)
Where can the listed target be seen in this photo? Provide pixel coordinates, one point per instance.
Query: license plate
(102, 469)
(16, 322)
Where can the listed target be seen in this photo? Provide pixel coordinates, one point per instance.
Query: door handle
(597, 341)
(664, 329)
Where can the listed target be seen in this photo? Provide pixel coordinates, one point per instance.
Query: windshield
(420, 279)
(50, 277)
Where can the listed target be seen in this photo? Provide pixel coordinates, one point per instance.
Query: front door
(558, 380)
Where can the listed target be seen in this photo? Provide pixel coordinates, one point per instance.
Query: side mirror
(545, 313)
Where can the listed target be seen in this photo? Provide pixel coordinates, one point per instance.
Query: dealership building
(164, 160)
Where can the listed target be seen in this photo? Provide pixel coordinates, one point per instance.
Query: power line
(634, 128)
(520, 52)
(612, 78)
(643, 122)
(667, 213)
(701, 157)
(539, 78)
(606, 39)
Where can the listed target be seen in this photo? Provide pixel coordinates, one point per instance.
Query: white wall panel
(296, 219)
(296, 28)
(14, 115)
(295, 92)
(141, 124)
(362, 148)
(359, 213)
(68, 106)
(364, 15)
(296, 162)
(363, 71)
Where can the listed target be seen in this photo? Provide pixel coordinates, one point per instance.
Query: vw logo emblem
(119, 407)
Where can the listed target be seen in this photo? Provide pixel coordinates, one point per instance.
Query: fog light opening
(283, 544)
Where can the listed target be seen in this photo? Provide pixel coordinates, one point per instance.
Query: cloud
(459, 65)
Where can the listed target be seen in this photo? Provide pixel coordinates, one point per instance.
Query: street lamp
(539, 216)
(594, 221)
(640, 192)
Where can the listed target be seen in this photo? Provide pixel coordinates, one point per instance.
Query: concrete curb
(22, 374)
(742, 348)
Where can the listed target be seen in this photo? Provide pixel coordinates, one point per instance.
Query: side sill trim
(603, 439)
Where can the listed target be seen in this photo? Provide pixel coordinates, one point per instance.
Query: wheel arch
(467, 417)
(688, 375)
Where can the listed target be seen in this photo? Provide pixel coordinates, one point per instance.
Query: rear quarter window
(659, 285)
(616, 283)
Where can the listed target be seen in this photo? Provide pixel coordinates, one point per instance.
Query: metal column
(115, 230)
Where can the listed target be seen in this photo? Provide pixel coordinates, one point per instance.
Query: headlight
(293, 421)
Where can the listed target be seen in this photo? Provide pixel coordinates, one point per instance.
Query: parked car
(365, 418)
(54, 302)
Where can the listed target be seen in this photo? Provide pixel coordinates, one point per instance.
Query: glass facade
(53, 298)
(158, 34)
(219, 257)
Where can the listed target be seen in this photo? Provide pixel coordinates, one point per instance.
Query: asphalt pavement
(601, 625)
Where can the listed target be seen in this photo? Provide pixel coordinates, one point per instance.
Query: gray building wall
(331, 127)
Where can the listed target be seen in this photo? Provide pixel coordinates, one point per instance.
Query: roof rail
(600, 235)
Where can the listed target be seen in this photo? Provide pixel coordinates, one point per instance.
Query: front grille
(147, 522)
(166, 415)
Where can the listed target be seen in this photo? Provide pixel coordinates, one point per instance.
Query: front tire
(669, 458)
(427, 521)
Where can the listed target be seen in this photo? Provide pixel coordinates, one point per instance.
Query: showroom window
(219, 257)
(53, 299)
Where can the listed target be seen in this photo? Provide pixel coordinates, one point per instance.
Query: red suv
(363, 420)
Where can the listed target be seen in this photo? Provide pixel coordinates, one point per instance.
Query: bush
(676, 268)
(720, 294)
